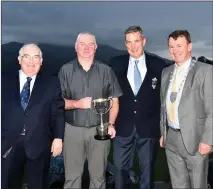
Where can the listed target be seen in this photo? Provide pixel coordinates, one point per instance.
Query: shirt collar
(142, 58)
(81, 67)
(185, 65)
(23, 75)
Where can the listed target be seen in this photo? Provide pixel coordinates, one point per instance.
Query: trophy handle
(111, 103)
(91, 108)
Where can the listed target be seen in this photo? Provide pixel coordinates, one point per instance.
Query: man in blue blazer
(32, 122)
(138, 122)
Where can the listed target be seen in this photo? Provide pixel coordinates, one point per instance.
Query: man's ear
(41, 60)
(19, 59)
(76, 47)
(190, 47)
(144, 42)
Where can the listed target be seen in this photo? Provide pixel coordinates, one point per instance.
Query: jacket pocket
(201, 121)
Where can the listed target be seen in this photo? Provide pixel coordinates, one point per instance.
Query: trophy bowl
(102, 106)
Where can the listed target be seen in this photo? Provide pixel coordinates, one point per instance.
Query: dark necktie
(25, 93)
(137, 77)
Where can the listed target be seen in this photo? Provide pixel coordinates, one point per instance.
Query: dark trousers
(14, 167)
(124, 148)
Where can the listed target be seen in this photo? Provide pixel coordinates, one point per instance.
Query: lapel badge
(154, 82)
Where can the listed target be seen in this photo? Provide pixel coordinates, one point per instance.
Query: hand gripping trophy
(102, 106)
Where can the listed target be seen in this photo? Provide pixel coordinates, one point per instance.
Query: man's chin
(31, 73)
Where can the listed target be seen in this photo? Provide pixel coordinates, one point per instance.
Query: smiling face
(180, 49)
(30, 60)
(135, 43)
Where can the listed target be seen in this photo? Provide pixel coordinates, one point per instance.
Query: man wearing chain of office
(186, 114)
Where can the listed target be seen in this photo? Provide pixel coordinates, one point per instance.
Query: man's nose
(86, 47)
(133, 45)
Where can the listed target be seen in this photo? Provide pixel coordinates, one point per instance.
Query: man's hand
(111, 131)
(84, 103)
(204, 148)
(56, 148)
(161, 142)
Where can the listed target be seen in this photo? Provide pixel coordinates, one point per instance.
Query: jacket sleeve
(57, 111)
(207, 137)
(163, 109)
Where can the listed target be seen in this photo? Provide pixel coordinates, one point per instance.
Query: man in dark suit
(32, 122)
(138, 122)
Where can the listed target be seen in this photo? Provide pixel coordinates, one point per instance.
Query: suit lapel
(125, 72)
(147, 76)
(146, 81)
(150, 74)
(165, 87)
(37, 92)
(166, 84)
(17, 90)
(189, 80)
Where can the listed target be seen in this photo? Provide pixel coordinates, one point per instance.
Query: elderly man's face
(86, 46)
(30, 60)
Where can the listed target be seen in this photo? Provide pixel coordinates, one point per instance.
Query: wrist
(58, 139)
(75, 104)
(112, 124)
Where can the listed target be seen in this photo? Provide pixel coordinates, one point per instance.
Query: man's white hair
(82, 33)
(30, 44)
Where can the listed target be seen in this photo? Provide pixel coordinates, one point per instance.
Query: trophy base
(106, 137)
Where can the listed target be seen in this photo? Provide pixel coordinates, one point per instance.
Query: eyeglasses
(33, 58)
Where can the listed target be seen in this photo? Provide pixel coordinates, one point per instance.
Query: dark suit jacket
(43, 117)
(142, 110)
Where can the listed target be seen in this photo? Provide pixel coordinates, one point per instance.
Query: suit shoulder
(155, 63)
(50, 79)
(202, 69)
(118, 61)
(119, 58)
(9, 78)
(161, 62)
(167, 69)
(202, 65)
(6, 80)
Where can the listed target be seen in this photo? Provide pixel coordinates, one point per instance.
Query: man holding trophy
(90, 90)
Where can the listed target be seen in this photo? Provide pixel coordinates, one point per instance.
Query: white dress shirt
(23, 79)
(179, 79)
(142, 69)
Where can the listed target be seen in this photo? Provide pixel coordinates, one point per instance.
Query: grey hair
(30, 44)
(134, 29)
(88, 33)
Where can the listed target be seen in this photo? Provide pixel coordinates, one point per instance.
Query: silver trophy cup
(102, 106)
